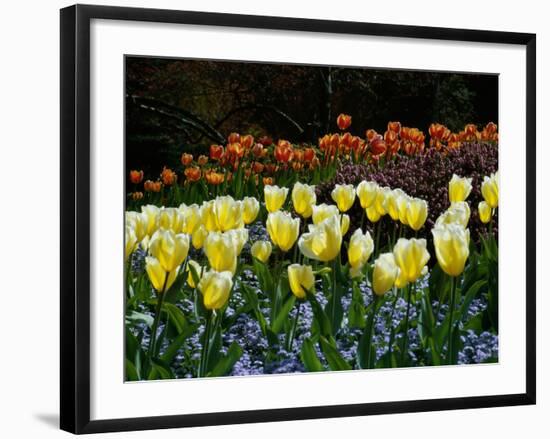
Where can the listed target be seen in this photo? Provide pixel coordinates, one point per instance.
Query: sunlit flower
(216, 152)
(222, 214)
(343, 121)
(186, 159)
(323, 241)
(152, 186)
(136, 176)
(384, 274)
(485, 212)
(372, 214)
(191, 217)
(343, 196)
(160, 279)
(458, 213)
(417, 212)
(303, 199)
(411, 257)
(169, 248)
(199, 236)
(215, 288)
(130, 241)
(170, 218)
(283, 229)
(192, 173)
(214, 178)
(221, 252)
(459, 188)
(367, 191)
(168, 177)
(151, 213)
(251, 208)
(202, 160)
(489, 190)
(198, 271)
(301, 279)
(360, 248)
(392, 203)
(239, 237)
(275, 197)
(261, 250)
(452, 247)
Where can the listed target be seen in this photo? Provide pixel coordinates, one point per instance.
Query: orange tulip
(346, 140)
(283, 151)
(343, 121)
(309, 154)
(258, 150)
(324, 142)
(214, 178)
(315, 163)
(377, 145)
(268, 181)
(257, 167)
(247, 141)
(233, 138)
(235, 150)
(390, 136)
(192, 173)
(152, 186)
(168, 176)
(186, 159)
(395, 127)
(470, 129)
(216, 152)
(371, 134)
(202, 160)
(137, 196)
(136, 176)
(271, 168)
(298, 155)
(297, 166)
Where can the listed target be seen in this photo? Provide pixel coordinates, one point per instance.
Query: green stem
(333, 296)
(371, 330)
(404, 353)
(362, 219)
(392, 330)
(294, 326)
(451, 311)
(376, 248)
(206, 342)
(156, 321)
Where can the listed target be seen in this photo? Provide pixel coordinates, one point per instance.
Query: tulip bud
(380, 202)
(384, 274)
(459, 188)
(372, 214)
(392, 203)
(303, 199)
(198, 270)
(489, 190)
(452, 247)
(215, 288)
(160, 280)
(151, 212)
(367, 192)
(322, 212)
(343, 121)
(283, 229)
(360, 248)
(417, 212)
(485, 212)
(458, 213)
(301, 279)
(411, 257)
(275, 197)
(344, 196)
(136, 176)
(261, 250)
(199, 236)
(191, 217)
(251, 208)
(170, 218)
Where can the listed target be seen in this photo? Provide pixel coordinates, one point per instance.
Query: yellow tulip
(170, 218)
(381, 200)
(411, 257)
(392, 203)
(130, 241)
(191, 217)
(400, 280)
(459, 188)
(283, 229)
(457, 213)
(485, 212)
(417, 212)
(489, 190)
(384, 274)
(344, 196)
(251, 208)
(360, 248)
(367, 191)
(239, 237)
(323, 211)
(169, 248)
(160, 279)
(138, 222)
(323, 241)
(275, 197)
(372, 214)
(151, 212)
(198, 270)
(199, 236)
(261, 250)
(221, 252)
(344, 224)
(301, 279)
(215, 288)
(452, 247)
(303, 199)
(403, 207)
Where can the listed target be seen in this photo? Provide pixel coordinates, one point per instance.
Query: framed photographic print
(285, 218)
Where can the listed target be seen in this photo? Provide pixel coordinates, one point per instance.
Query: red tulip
(343, 121)
(136, 176)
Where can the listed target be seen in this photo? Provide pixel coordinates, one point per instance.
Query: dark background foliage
(176, 105)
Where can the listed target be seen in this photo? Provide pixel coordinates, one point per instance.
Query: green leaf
(131, 371)
(226, 363)
(309, 357)
(173, 348)
(282, 316)
(321, 319)
(333, 357)
(159, 371)
(137, 317)
(356, 314)
(176, 316)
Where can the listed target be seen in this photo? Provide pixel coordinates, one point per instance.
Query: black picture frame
(75, 217)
